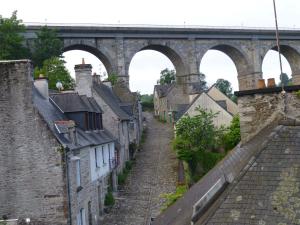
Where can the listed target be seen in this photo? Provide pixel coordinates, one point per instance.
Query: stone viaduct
(115, 46)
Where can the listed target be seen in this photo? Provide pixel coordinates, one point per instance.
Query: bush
(233, 136)
(128, 165)
(124, 174)
(109, 199)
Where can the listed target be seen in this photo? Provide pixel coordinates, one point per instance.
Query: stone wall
(91, 191)
(261, 108)
(31, 167)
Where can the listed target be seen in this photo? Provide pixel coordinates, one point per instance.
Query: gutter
(68, 186)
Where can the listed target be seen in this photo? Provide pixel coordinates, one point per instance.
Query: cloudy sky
(146, 65)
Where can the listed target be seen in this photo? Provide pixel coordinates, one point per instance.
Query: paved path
(154, 173)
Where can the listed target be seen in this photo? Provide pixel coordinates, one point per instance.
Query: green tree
(55, 71)
(147, 102)
(233, 134)
(285, 80)
(46, 45)
(224, 86)
(11, 40)
(195, 135)
(167, 76)
(112, 78)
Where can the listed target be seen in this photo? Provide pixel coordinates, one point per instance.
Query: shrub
(109, 199)
(233, 136)
(128, 165)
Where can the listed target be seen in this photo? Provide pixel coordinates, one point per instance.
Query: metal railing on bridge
(185, 26)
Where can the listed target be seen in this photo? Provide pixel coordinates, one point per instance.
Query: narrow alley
(154, 173)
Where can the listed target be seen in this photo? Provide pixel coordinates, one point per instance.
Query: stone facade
(90, 195)
(119, 127)
(258, 110)
(32, 175)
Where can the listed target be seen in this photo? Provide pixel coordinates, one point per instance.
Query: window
(90, 121)
(86, 120)
(95, 122)
(78, 175)
(103, 156)
(81, 217)
(100, 122)
(97, 158)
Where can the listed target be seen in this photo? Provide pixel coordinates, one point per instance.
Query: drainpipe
(68, 185)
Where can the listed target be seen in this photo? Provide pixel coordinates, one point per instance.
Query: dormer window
(86, 120)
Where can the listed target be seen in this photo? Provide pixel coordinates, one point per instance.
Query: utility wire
(278, 45)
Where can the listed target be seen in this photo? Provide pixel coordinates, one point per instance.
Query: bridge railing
(154, 26)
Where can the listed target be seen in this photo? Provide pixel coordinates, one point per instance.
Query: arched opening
(145, 68)
(74, 57)
(224, 62)
(101, 62)
(217, 65)
(290, 63)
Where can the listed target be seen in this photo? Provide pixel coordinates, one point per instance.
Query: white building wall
(217, 95)
(205, 102)
(101, 169)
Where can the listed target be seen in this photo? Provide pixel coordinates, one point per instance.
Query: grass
(171, 198)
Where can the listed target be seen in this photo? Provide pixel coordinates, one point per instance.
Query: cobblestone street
(154, 173)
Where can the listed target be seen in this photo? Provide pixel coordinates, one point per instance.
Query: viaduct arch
(115, 46)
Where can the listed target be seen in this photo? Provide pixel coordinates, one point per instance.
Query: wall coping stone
(267, 90)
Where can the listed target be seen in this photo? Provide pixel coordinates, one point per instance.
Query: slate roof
(268, 192)
(72, 102)
(111, 99)
(163, 90)
(263, 176)
(50, 113)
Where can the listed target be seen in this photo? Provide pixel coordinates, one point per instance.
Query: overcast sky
(146, 65)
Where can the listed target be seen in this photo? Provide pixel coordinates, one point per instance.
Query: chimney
(72, 132)
(96, 78)
(83, 74)
(41, 84)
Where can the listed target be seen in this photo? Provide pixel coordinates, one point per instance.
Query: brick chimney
(41, 84)
(84, 79)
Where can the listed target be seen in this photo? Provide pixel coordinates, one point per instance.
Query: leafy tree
(167, 76)
(233, 135)
(46, 45)
(224, 86)
(147, 102)
(195, 135)
(197, 140)
(113, 79)
(203, 82)
(11, 40)
(285, 80)
(55, 71)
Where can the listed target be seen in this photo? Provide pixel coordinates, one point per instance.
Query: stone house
(211, 100)
(57, 160)
(119, 116)
(170, 98)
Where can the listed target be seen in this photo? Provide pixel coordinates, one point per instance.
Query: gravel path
(154, 173)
